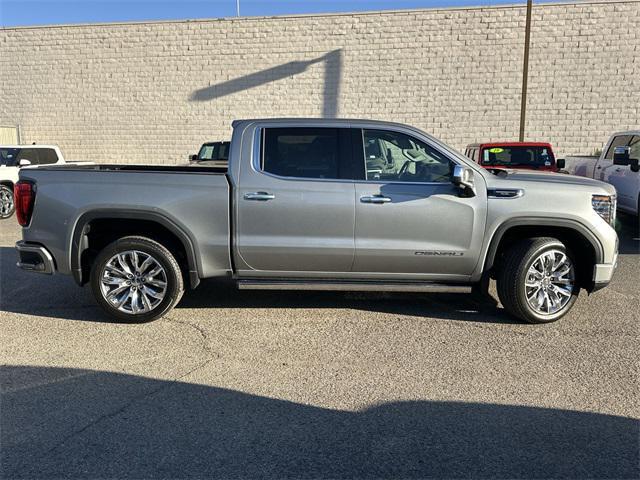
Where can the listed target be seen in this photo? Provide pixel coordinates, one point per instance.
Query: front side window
(214, 151)
(518, 156)
(619, 141)
(395, 156)
(9, 156)
(301, 152)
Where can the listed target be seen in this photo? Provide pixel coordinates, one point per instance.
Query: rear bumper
(34, 258)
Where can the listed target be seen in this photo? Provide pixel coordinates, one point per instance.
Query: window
(301, 152)
(214, 151)
(47, 156)
(619, 141)
(30, 154)
(518, 156)
(394, 156)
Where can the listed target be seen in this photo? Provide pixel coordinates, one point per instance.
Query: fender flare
(541, 222)
(78, 239)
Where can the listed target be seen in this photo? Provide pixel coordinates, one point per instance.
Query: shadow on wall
(332, 79)
(67, 423)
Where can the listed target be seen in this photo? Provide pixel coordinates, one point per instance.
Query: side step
(352, 286)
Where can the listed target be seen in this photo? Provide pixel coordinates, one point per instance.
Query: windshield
(518, 156)
(214, 151)
(9, 156)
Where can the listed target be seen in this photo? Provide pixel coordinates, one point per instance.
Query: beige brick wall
(152, 92)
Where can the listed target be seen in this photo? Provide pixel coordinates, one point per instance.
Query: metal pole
(525, 70)
(237, 8)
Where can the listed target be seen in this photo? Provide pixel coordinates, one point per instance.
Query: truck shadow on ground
(68, 423)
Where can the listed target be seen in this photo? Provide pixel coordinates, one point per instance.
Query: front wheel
(136, 279)
(7, 207)
(537, 280)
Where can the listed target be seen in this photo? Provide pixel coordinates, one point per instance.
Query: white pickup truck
(617, 165)
(12, 158)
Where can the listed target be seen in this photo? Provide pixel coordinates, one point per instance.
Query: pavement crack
(201, 332)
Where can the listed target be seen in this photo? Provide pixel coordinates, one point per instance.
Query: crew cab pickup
(322, 205)
(516, 155)
(617, 165)
(14, 157)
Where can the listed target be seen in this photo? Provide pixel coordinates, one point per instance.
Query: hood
(549, 178)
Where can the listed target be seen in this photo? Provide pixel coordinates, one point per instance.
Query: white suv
(14, 157)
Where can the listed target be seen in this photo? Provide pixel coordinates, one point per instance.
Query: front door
(410, 219)
(627, 183)
(295, 206)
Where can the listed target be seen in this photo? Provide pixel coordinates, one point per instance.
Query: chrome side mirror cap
(463, 179)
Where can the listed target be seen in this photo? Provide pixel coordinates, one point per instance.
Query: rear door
(295, 203)
(410, 220)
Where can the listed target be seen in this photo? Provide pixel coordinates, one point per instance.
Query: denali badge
(436, 253)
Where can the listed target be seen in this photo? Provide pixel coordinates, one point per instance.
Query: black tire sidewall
(530, 313)
(10, 214)
(160, 254)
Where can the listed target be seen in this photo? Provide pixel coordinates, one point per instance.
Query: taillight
(24, 194)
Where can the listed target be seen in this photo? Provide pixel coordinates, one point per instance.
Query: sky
(47, 12)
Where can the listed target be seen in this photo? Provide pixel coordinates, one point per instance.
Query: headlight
(605, 206)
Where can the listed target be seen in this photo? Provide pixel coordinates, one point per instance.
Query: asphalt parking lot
(316, 385)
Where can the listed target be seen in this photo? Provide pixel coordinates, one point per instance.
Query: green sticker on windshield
(496, 150)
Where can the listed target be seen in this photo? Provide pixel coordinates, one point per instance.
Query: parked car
(212, 153)
(305, 205)
(619, 170)
(518, 155)
(14, 157)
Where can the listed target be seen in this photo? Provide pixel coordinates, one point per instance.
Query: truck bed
(192, 200)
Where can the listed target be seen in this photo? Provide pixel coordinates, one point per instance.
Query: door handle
(374, 199)
(259, 196)
(599, 167)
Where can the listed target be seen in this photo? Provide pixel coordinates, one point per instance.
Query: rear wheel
(136, 279)
(7, 206)
(537, 280)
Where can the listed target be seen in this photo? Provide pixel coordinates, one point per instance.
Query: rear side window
(301, 152)
(47, 156)
(619, 141)
(30, 154)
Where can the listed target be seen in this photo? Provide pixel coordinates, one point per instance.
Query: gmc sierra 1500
(320, 204)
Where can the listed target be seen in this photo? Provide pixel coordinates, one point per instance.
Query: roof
(510, 144)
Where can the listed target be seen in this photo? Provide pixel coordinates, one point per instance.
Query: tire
(147, 298)
(7, 205)
(515, 277)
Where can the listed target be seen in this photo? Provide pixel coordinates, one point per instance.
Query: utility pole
(525, 70)
(237, 8)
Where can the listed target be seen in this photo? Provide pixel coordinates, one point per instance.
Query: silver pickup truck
(320, 205)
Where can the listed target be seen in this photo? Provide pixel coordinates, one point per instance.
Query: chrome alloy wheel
(550, 282)
(6, 202)
(133, 282)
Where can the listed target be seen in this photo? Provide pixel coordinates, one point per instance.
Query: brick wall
(152, 92)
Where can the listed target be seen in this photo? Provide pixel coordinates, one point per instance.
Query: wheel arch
(130, 222)
(573, 233)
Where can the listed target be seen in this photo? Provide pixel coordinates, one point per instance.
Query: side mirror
(463, 179)
(635, 164)
(560, 163)
(621, 155)
(193, 158)
(24, 163)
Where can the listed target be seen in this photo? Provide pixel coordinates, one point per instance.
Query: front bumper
(603, 273)
(34, 258)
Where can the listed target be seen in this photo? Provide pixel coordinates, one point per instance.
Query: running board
(352, 286)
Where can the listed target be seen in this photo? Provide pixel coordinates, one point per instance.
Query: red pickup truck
(516, 155)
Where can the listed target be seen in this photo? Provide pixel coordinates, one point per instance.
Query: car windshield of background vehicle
(9, 156)
(532, 157)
